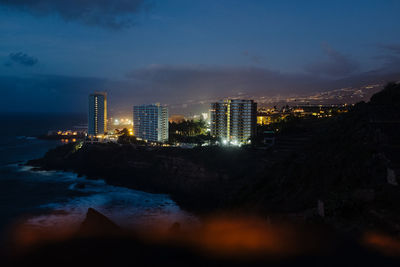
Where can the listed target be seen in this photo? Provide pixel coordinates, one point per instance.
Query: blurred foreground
(219, 241)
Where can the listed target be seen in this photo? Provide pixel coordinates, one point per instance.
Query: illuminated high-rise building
(150, 122)
(234, 120)
(97, 119)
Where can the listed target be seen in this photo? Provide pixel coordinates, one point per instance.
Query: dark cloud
(47, 93)
(390, 58)
(21, 59)
(394, 48)
(254, 58)
(199, 81)
(337, 65)
(114, 14)
(184, 88)
(59, 93)
(391, 63)
(200, 84)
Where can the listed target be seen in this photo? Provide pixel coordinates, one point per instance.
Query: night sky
(179, 52)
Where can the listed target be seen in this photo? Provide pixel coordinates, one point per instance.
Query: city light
(121, 121)
(209, 133)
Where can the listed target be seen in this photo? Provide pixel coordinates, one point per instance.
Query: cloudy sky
(54, 52)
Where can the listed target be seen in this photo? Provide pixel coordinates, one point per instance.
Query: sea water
(50, 198)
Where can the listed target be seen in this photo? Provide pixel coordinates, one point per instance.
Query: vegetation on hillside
(189, 131)
(342, 162)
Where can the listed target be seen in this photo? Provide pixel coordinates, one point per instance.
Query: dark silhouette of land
(99, 242)
(338, 173)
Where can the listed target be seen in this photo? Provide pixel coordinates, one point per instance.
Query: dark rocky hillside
(199, 179)
(341, 170)
(349, 167)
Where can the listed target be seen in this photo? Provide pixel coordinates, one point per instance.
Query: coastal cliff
(199, 179)
(342, 170)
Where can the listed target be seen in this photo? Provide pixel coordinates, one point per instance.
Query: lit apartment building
(234, 120)
(97, 119)
(150, 122)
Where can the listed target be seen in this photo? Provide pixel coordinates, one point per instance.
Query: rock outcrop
(96, 224)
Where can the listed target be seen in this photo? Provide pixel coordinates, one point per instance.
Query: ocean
(50, 198)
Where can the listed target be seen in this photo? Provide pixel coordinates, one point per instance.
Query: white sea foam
(126, 207)
(23, 168)
(47, 175)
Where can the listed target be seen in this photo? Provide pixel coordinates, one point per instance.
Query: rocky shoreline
(340, 170)
(196, 184)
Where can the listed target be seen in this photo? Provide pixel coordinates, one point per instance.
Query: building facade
(234, 120)
(150, 122)
(97, 119)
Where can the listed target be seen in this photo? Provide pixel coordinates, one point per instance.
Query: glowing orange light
(383, 243)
